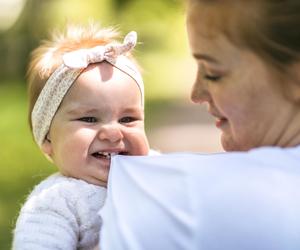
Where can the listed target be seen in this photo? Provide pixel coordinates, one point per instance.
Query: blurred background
(173, 123)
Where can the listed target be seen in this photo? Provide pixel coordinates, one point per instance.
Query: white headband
(64, 76)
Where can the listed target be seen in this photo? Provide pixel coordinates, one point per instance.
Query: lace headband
(65, 75)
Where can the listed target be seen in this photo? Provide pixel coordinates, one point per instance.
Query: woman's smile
(221, 122)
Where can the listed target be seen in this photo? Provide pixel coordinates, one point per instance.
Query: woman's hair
(48, 56)
(270, 28)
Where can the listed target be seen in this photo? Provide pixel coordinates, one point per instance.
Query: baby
(86, 104)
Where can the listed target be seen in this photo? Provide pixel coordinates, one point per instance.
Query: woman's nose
(200, 92)
(110, 132)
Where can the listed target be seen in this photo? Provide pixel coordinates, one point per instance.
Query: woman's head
(248, 63)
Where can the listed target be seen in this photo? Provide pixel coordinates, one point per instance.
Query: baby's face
(100, 116)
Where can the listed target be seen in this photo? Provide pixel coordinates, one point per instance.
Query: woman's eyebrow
(205, 57)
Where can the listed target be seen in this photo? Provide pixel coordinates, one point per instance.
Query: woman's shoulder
(262, 156)
(292, 152)
(275, 157)
(224, 195)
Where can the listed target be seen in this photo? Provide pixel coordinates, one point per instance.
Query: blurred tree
(155, 22)
(120, 4)
(17, 42)
(34, 24)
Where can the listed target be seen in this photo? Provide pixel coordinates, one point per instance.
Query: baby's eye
(127, 119)
(88, 119)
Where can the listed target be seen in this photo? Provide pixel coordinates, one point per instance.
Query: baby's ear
(47, 147)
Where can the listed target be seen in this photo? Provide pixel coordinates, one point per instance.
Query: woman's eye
(88, 119)
(207, 75)
(212, 78)
(127, 119)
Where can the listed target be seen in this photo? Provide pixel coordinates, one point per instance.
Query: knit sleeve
(60, 213)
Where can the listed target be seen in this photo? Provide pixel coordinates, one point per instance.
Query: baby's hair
(46, 58)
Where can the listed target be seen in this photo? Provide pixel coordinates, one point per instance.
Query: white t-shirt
(226, 201)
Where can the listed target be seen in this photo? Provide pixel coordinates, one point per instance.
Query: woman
(248, 57)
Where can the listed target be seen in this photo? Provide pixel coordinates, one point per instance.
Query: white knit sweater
(60, 213)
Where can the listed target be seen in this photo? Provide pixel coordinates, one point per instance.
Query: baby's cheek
(142, 148)
(137, 142)
(72, 150)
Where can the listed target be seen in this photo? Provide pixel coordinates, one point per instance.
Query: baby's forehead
(103, 70)
(106, 77)
(100, 108)
(100, 66)
(93, 94)
(105, 80)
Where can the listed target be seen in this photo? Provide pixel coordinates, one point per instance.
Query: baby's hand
(91, 174)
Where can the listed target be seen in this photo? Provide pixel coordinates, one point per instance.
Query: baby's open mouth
(107, 155)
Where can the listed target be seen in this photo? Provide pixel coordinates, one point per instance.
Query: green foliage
(79, 11)
(22, 165)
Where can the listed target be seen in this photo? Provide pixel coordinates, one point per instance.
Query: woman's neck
(287, 127)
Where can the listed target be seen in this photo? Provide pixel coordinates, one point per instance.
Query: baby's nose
(110, 132)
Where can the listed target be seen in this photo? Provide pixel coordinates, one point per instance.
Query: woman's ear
(47, 147)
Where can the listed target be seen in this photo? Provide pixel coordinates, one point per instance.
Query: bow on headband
(82, 58)
(65, 75)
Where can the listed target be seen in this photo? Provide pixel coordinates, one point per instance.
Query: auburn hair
(267, 27)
